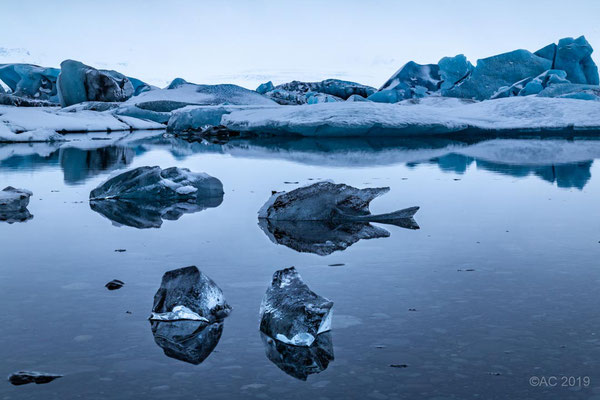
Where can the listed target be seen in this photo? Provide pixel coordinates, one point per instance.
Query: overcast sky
(249, 42)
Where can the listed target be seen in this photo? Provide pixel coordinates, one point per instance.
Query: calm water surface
(499, 284)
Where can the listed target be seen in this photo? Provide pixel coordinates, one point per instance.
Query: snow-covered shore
(43, 124)
(433, 115)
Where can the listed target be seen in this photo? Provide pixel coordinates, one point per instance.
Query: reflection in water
(143, 215)
(300, 361)
(189, 341)
(564, 162)
(15, 216)
(323, 237)
(574, 175)
(79, 165)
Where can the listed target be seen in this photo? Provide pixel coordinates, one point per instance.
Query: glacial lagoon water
(499, 284)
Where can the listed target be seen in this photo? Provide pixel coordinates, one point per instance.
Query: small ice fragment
(291, 312)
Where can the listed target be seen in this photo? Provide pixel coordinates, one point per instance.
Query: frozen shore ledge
(432, 115)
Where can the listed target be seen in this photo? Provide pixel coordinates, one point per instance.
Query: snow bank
(30, 124)
(427, 116)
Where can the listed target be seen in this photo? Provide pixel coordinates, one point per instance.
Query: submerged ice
(291, 313)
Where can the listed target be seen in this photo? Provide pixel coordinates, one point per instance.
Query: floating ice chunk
(179, 313)
(291, 313)
(154, 184)
(13, 205)
(327, 201)
(300, 362)
(12, 199)
(187, 293)
(32, 81)
(189, 341)
(25, 377)
(78, 83)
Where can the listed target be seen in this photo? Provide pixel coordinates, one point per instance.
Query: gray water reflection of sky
(528, 229)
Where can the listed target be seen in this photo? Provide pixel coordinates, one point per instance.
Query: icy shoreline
(44, 124)
(433, 115)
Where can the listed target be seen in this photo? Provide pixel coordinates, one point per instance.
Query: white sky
(249, 42)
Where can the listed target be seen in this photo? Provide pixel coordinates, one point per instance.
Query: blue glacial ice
(292, 313)
(327, 201)
(297, 92)
(31, 81)
(497, 76)
(189, 294)
(78, 83)
(412, 80)
(158, 104)
(154, 184)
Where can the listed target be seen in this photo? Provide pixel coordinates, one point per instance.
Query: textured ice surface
(78, 82)
(453, 70)
(32, 136)
(32, 81)
(12, 199)
(300, 362)
(25, 377)
(198, 118)
(36, 124)
(291, 313)
(297, 92)
(189, 341)
(574, 56)
(181, 93)
(432, 115)
(187, 293)
(154, 184)
(457, 77)
(327, 201)
(178, 313)
(412, 80)
(492, 73)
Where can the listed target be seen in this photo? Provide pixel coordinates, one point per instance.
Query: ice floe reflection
(300, 361)
(561, 161)
(189, 341)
